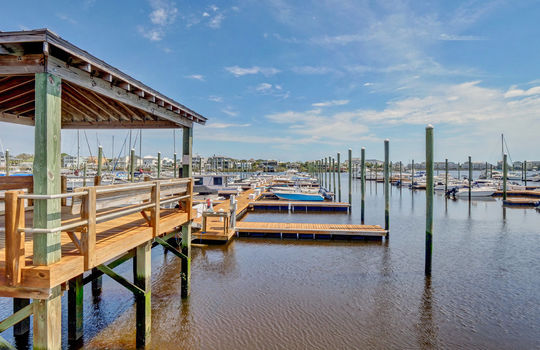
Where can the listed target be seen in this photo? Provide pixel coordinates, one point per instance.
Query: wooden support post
(155, 197)
(97, 179)
(88, 236)
(7, 160)
(350, 180)
(132, 165)
(412, 174)
(14, 239)
(429, 199)
(63, 189)
(491, 171)
(400, 175)
(525, 172)
(84, 174)
(387, 186)
(159, 165)
(142, 278)
(445, 175)
(23, 327)
(459, 171)
(75, 309)
(175, 167)
(187, 146)
(334, 177)
(505, 174)
(339, 175)
(486, 170)
(362, 184)
(47, 313)
(470, 177)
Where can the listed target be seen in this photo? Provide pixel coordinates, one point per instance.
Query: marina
(294, 198)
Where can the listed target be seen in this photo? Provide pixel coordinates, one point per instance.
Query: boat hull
(299, 197)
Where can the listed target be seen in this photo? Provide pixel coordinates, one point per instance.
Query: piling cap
(100, 146)
(387, 140)
(429, 126)
(364, 148)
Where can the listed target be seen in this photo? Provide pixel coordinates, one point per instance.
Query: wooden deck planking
(113, 238)
(307, 228)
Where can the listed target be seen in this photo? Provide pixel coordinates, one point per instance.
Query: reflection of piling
(429, 199)
(387, 186)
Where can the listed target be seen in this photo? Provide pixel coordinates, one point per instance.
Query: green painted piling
(505, 175)
(75, 309)
(400, 175)
(142, 279)
(470, 177)
(99, 162)
(362, 183)
(387, 186)
(159, 165)
(446, 175)
(175, 166)
(525, 172)
(350, 178)
(7, 160)
(339, 175)
(334, 177)
(132, 165)
(84, 174)
(429, 199)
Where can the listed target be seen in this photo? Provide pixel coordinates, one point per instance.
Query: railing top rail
(124, 188)
(53, 196)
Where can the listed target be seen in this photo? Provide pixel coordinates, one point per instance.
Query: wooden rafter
(89, 101)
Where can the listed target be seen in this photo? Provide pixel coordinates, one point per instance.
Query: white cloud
(206, 14)
(264, 87)
(331, 103)
(368, 84)
(195, 77)
(239, 71)
(226, 125)
(515, 92)
(454, 37)
(216, 98)
(215, 22)
(229, 111)
(311, 70)
(163, 14)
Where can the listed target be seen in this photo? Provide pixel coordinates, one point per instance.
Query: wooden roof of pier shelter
(95, 95)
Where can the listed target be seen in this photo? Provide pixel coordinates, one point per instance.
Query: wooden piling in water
(446, 175)
(470, 178)
(7, 161)
(75, 309)
(159, 165)
(412, 174)
(362, 183)
(339, 175)
(350, 178)
(175, 167)
(387, 186)
(525, 172)
(132, 165)
(187, 146)
(505, 174)
(429, 199)
(84, 174)
(142, 279)
(334, 177)
(400, 175)
(459, 171)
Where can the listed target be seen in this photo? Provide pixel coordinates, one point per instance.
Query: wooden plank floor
(312, 229)
(113, 238)
(278, 204)
(214, 227)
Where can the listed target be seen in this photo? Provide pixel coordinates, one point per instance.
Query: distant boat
(298, 196)
(476, 192)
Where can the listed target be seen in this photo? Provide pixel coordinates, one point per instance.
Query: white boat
(476, 192)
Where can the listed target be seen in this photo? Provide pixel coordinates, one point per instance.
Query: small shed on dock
(51, 84)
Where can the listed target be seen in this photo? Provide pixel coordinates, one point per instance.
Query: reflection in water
(426, 328)
(288, 294)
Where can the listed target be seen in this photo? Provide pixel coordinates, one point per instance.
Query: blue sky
(297, 80)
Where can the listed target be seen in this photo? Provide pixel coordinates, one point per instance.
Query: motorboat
(482, 191)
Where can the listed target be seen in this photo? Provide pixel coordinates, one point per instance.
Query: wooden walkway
(519, 193)
(113, 238)
(313, 231)
(214, 226)
(298, 205)
(522, 202)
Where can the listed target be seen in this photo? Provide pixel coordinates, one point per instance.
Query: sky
(301, 80)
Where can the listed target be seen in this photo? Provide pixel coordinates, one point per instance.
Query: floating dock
(521, 202)
(309, 231)
(299, 206)
(519, 193)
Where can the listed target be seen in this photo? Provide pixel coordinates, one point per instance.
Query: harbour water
(258, 293)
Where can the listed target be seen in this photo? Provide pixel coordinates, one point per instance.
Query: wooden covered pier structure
(47, 247)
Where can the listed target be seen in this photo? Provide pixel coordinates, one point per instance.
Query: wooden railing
(92, 205)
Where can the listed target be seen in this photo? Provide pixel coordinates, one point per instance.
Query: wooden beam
(161, 124)
(98, 85)
(21, 65)
(109, 103)
(70, 98)
(89, 100)
(15, 258)
(15, 104)
(16, 119)
(16, 93)
(17, 317)
(136, 290)
(13, 82)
